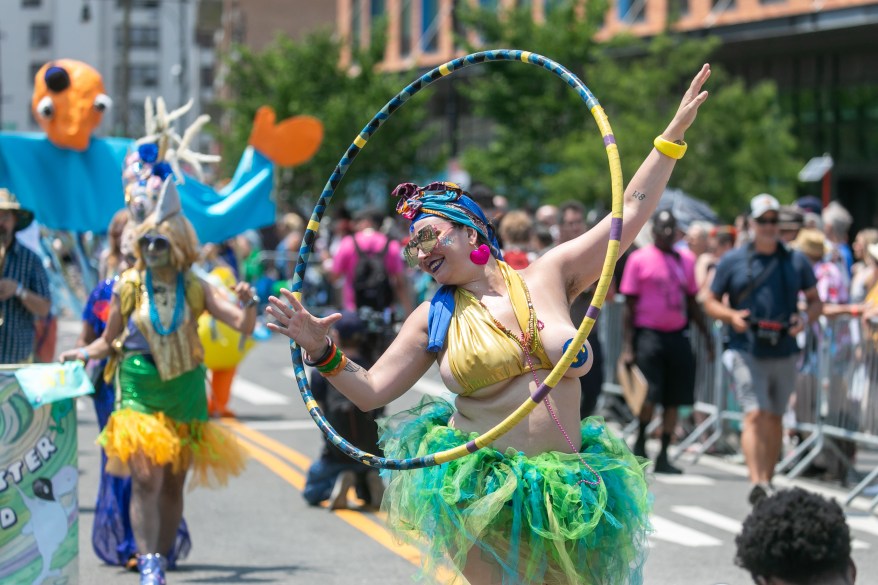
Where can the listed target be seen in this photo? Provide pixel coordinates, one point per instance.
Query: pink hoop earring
(480, 255)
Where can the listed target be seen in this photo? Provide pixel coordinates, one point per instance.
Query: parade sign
(39, 508)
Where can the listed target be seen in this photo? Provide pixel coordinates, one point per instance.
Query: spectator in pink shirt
(659, 285)
(370, 241)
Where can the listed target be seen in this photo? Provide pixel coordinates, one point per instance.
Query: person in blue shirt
(756, 291)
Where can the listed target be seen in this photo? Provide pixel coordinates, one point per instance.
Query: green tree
(546, 146)
(305, 78)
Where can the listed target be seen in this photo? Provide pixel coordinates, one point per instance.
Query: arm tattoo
(638, 195)
(352, 367)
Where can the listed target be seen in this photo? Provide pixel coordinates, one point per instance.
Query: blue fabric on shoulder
(441, 311)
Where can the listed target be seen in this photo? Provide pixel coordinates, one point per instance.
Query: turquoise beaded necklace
(178, 306)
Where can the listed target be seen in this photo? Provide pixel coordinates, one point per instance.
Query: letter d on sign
(7, 517)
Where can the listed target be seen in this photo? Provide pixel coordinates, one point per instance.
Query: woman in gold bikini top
(576, 492)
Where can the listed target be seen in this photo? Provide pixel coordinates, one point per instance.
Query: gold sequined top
(178, 352)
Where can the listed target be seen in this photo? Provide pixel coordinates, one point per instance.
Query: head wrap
(449, 201)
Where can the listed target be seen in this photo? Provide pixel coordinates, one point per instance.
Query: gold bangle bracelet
(670, 149)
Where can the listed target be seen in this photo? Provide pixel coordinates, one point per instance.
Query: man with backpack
(371, 265)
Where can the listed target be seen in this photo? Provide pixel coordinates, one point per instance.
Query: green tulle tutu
(526, 514)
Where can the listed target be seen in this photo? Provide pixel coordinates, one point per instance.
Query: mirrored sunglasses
(159, 243)
(427, 238)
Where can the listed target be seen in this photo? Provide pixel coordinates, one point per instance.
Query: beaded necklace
(524, 342)
(178, 306)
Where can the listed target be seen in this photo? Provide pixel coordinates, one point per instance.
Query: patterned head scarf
(449, 201)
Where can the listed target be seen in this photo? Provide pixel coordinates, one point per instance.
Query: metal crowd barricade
(836, 393)
(709, 392)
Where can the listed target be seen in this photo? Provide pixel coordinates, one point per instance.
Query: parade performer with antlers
(551, 500)
(160, 428)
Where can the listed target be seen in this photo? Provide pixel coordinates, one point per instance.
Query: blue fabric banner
(80, 191)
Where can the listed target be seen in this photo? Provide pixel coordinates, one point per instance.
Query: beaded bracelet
(324, 357)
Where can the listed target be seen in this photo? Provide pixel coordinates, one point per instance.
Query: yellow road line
(266, 450)
(275, 464)
(278, 448)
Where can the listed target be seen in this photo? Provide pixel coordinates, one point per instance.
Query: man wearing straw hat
(24, 287)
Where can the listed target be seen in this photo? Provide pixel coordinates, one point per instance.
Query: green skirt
(530, 516)
(183, 398)
(167, 423)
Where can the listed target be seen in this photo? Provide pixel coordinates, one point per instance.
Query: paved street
(260, 530)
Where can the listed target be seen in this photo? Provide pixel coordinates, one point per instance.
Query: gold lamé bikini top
(479, 352)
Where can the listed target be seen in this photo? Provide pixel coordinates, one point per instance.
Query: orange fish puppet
(71, 179)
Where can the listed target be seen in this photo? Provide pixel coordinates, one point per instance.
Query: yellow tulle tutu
(210, 451)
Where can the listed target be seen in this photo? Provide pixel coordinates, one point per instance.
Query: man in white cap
(24, 286)
(763, 281)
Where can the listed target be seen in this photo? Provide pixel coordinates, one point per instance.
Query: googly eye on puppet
(102, 103)
(46, 108)
(68, 102)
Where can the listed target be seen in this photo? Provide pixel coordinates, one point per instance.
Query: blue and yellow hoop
(587, 322)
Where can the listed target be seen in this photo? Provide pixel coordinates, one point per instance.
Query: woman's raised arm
(578, 263)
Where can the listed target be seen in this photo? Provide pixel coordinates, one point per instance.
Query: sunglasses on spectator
(159, 243)
(426, 239)
(767, 220)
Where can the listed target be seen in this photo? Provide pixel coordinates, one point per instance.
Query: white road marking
(670, 531)
(685, 479)
(733, 526)
(709, 517)
(864, 523)
(256, 394)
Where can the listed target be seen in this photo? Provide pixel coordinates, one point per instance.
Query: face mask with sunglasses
(156, 242)
(427, 238)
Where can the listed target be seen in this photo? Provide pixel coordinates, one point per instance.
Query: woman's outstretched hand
(692, 100)
(294, 321)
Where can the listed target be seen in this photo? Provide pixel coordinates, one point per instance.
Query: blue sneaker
(152, 569)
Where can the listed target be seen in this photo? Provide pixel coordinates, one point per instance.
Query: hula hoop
(587, 322)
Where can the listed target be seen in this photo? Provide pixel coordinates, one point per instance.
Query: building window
(206, 76)
(151, 4)
(678, 8)
(139, 76)
(144, 75)
(40, 35)
(488, 4)
(429, 26)
(376, 8)
(405, 28)
(631, 11)
(139, 37)
(356, 23)
(34, 68)
(31, 3)
(721, 5)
